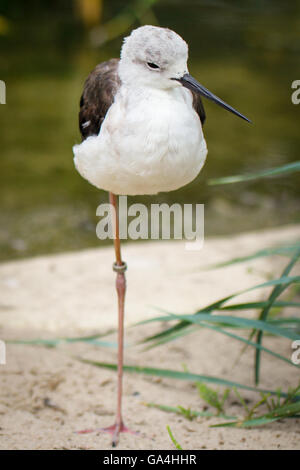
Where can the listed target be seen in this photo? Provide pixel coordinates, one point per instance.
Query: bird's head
(157, 57)
(152, 56)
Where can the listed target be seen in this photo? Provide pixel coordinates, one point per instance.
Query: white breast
(150, 141)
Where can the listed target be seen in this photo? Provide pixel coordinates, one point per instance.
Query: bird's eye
(152, 66)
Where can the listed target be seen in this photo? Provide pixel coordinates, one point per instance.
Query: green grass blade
(174, 374)
(177, 410)
(284, 280)
(280, 170)
(209, 395)
(51, 343)
(176, 444)
(249, 343)
(258, 305)
(232, 424)
(228, 321)
(170, 337)
(173, 409)
(278, 290)
(285, 250)
(284, 320)
(238, 321)
(257, 422)
(285, 411)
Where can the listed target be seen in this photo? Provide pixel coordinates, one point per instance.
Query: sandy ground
(46, 394)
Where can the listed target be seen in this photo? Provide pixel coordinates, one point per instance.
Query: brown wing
(98, 95)
(198, 106)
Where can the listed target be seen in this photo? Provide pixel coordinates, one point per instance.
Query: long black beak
(189, 82)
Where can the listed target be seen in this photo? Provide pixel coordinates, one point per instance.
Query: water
(245, 52)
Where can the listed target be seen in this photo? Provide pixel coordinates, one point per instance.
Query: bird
(141, 118)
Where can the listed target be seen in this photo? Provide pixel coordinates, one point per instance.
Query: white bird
(141, 120)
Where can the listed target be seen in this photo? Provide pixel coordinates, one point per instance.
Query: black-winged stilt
(141, 122)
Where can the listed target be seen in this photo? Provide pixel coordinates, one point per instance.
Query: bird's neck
(137, 93)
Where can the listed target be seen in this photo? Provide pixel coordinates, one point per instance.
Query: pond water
(247, 52)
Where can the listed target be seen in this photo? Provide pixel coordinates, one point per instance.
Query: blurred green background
(245, 51)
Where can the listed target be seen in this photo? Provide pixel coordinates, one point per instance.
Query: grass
(278, 408)
(271, 319)
(176, 444)
(208, 318)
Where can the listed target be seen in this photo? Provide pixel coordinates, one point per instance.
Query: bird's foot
(115, 430)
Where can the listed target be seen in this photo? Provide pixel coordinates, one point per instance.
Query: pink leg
(119, 267)
(121, 289)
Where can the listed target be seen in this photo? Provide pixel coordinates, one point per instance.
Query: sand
(47, 393)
